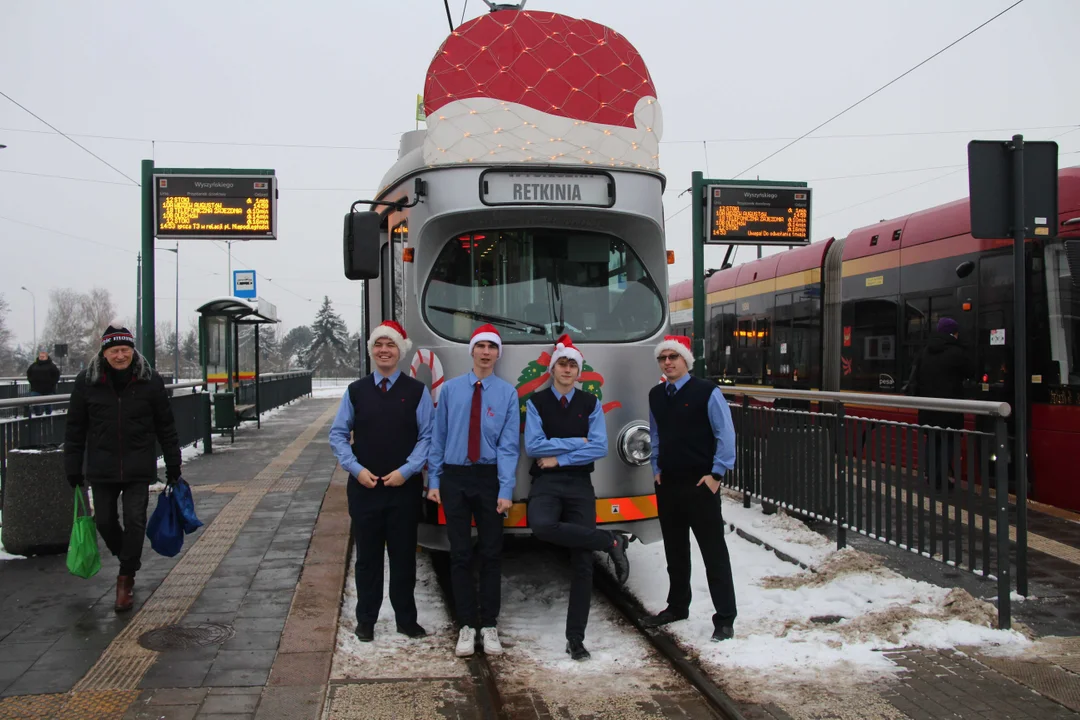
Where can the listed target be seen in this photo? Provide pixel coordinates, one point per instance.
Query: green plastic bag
(82, 556)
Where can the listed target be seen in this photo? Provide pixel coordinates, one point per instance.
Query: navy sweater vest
(384, 423)
(563, 423)
(687, 443)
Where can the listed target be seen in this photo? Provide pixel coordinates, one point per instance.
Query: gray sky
(202, 78)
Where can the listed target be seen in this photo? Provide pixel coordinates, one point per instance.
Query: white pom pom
(560, 346)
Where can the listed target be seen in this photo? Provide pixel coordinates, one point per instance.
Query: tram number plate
(1064, 396)
(503, 187)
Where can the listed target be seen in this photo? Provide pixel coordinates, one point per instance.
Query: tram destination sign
(511, 187)
(758, 215)
(215, 207)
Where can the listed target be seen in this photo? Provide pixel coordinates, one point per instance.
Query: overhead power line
(67, 234)
(867, 136)
(58, 132)
(891, 82)
(123, 138)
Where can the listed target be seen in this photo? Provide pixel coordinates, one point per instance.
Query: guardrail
(940, 492)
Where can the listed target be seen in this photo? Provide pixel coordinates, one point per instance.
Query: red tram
(851, 314)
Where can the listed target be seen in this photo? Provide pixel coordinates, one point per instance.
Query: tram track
(497, 698)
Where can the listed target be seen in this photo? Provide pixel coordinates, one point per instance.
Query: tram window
(1063, 297)
(535, 284)
(400, 238)
(385, 280)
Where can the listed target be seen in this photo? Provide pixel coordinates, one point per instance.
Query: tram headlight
(635, 445)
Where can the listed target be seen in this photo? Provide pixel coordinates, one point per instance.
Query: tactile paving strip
(287, 484)
(1044, 677)
(124, 662)
(94, 705)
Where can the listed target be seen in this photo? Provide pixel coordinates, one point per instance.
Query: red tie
(386, 384)
(563, 402)
(474, 424)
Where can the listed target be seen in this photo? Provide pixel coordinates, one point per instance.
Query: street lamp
(176, 320)
(34, 299)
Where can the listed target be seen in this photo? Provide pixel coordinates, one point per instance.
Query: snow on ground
(330, 387)
(777, 643)
(4, 555)
(392, 655)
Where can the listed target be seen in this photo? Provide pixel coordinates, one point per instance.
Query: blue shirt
(566, 451)
(723, 431)
(343, 425)
(500, 434)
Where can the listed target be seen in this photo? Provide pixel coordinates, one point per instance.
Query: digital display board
(758, 215)
(216, 207)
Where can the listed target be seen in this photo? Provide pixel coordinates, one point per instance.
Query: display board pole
(146, 331)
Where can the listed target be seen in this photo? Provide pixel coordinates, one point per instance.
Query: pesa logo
(885, 381)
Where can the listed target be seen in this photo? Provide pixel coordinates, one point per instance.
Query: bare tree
(63, 324)
(7, 359)
(97, 312)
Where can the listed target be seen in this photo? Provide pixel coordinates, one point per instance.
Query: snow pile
(392, 655)
(4, 555)
(824, 627)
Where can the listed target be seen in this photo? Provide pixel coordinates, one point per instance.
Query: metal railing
(936, 491)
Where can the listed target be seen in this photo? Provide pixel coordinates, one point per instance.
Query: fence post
(745, 452)
(204, 413)
(1004, 584)
(841, 477)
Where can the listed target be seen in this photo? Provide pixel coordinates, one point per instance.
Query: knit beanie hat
(115, 336)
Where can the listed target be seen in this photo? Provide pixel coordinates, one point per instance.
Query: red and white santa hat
(564, 348)
(392, 330)
(488, 333)
(678, 343)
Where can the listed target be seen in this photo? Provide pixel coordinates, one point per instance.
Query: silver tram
(536, 251)
(531, 201)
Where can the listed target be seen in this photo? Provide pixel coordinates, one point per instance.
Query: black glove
(75, 480)
(172, 474)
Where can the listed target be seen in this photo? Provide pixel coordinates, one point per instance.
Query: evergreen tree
(7, 359)
(329, 351)
(189, 353)
(293, 345)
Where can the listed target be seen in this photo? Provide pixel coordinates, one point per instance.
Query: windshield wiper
(556, 294)
(486, 317)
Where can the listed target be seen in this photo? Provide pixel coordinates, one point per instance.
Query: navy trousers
(562, 511)
(125, 542)
(471, 492)
(385, 517)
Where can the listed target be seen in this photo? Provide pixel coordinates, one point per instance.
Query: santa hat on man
(393, 331)
(488, 333)
(678, 343)
(564, 348)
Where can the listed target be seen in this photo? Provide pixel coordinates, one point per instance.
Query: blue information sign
(244, 284)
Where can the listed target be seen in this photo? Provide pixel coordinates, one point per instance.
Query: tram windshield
(1064, 301)
(536, 284)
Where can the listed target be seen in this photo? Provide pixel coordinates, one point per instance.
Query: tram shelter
(220, 320)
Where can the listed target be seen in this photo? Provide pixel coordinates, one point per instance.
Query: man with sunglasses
(693, 445)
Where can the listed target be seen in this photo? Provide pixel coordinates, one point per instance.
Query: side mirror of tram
(964, 269)
(362, 245)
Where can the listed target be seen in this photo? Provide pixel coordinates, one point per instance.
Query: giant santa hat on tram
(520, 86)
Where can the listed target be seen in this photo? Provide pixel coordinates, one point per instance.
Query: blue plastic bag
(166, 527)
(182, 497)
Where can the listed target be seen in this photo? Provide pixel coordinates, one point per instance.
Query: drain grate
(182, 637)
(827, 619)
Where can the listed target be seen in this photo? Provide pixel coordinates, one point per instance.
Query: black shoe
(576, 650)
(725, 632)
(618, 557)
(365, 632)
(414, 630)
(662, 618)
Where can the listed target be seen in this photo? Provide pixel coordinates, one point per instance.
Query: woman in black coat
(119, 407)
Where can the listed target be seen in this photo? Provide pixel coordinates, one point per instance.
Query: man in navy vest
(471, 473)
(565, 433)
(389, 415)
(693, 445)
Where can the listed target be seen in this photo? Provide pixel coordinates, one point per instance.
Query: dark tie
(563, 402)
(385, 384)
(474, 424)
(671, 389)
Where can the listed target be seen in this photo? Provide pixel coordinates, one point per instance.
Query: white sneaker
(492, 646)
(466, 642)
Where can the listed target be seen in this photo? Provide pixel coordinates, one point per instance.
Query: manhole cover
(826, 619)
(181, 637)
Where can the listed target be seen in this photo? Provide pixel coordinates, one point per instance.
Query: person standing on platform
(389, 415)
(43, 375)
(472, 473)
(565, 433)
(118, 408)
(693, 446)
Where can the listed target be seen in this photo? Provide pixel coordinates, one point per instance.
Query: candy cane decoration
(431, 360)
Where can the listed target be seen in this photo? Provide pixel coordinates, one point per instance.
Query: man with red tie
(471, 473)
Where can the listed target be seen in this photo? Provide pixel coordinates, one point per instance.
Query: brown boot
(125, 592)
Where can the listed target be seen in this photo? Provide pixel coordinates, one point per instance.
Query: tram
(536, 218)
(852, 314)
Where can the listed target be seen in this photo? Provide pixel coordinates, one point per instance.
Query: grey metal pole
(138, 297)
(1020, 377)
(1002, 500)
(176, 321)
